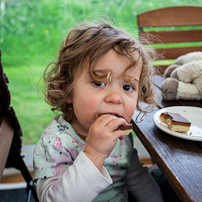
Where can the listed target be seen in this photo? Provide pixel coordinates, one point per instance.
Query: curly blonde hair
(90, 41)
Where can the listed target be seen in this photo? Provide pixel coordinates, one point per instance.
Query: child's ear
(69, 99)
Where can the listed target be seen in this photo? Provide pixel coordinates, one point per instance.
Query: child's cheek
(90, 108)
(129, 111)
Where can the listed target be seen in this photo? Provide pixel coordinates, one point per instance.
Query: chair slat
(173, 36)
(160, 69)
(171, 16)
(173, 53)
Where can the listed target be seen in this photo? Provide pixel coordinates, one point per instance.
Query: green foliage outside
(30, 36)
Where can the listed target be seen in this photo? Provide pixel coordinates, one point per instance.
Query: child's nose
(113, 97)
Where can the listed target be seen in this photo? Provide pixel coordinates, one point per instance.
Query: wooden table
(180, 160)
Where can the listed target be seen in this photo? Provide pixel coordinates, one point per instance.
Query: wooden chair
(179, 28)
(10, 137)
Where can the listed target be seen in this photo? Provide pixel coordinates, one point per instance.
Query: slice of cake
(175, 122)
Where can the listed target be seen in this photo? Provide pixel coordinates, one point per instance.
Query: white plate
(192, 114)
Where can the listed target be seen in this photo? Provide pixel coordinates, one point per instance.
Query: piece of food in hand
(126, 129)
(175, 122)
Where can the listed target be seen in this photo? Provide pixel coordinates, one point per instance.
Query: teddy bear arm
(189, 71)
(188, 91)
(198, 83)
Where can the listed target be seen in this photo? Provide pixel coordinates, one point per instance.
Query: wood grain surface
(180, 160)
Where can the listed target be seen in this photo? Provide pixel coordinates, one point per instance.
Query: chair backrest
(179, 29)
(10, 137)
(9, 126)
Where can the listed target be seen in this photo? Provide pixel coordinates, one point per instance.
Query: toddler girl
(79, 157)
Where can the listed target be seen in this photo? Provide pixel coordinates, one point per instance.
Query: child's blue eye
(128, 88)
(101, 84)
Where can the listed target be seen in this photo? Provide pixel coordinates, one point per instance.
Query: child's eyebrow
(101, 72)
(135, 79)
(131, 78)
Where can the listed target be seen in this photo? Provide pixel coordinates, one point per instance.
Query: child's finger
(115, 123)
(105, 119)
(118, 134)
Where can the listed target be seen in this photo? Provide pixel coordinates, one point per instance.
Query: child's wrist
(96, 158)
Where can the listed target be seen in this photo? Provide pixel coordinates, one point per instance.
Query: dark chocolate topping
(176, 118)
(129, 127)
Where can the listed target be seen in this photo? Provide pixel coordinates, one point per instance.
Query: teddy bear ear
(180, 60)
(174, 74)
(169, 70)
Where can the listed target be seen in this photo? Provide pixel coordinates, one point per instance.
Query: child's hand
(102, 137)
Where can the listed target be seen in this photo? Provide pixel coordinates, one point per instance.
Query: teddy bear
(183, 79)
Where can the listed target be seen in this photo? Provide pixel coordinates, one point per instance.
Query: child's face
(119, 97)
